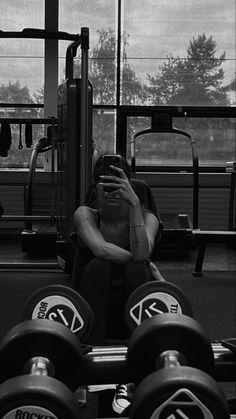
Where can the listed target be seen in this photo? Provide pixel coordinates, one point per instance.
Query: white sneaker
(121, 399)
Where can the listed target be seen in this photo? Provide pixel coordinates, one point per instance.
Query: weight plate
(63, 305)
(153, 298)
(44, 338)
(182, 392)
(32, 396)
(168, 332)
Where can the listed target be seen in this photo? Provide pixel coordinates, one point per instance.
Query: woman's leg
(135, 274)
(83, 255)
(95, 289)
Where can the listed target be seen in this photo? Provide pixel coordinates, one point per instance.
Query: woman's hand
(121, 186)
(156, 273)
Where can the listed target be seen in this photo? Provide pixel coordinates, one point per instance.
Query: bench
(202, 237)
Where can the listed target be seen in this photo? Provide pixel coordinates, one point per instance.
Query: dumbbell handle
(39, 365)
(169, 359)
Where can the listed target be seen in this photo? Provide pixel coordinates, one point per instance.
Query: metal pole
(53, 171)
(195, 185)
(16, 217)
(84, 137)
(29, 266)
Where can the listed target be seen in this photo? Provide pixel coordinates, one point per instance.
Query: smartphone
(107, 161)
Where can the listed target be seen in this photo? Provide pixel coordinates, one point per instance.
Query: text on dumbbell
(20, 414)
(42, 310)
(154, 304)
(61, 310)
(32, 412)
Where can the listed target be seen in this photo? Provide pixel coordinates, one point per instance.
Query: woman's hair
(98, 168)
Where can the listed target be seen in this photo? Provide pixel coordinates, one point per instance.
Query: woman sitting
(115, 239)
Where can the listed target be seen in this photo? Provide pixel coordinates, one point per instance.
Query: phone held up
(109, 160)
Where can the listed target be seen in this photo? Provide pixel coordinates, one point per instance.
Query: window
(179, 52)
(154, 53)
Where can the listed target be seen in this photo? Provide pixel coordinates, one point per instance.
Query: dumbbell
(38, 360)
(172, 362)
(63, 305)
(154, 298)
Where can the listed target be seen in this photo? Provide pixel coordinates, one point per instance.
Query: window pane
(19, 14)
(21, 79)
(215, 138)
(181, 52)
(21, 60)
(100, 18)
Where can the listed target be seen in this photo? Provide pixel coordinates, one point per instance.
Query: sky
(156, 28)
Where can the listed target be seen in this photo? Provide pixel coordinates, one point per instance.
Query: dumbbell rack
(166, 356)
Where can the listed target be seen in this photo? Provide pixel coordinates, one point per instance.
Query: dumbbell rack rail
(126, 417)
(108, 364)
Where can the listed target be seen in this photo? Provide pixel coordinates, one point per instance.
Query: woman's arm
(91, 236)
(143, 229)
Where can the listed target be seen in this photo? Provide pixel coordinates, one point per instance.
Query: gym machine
(74, 145)
(177, 234)
(74, 134)
(203, 237)
(41, 237)
(178, 227)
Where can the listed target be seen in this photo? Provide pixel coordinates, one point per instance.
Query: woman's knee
(95, 280)
(136, 274)
(137, 270)
(97, 275)
(98, 267)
